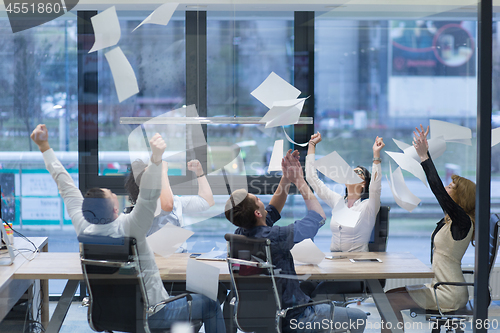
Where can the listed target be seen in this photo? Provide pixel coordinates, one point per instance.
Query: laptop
(7, 251)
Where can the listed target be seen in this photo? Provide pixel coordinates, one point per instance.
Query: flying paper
(276, 156)
(123, 74)
(307, 252)
(274, 89)
(401, 145)
(437, 147)
(345, 216)
(401, 193)
(334, 167)
(284, 113)
(168, 239)
(202, 278)
(106, 29)
(161, 15)
(409, 164)
(450, 132)
(291, 141)
(495, 136)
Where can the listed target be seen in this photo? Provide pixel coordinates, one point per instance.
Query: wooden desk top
(6, 272)
(54, 265)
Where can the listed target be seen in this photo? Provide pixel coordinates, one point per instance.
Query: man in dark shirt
(254, 219)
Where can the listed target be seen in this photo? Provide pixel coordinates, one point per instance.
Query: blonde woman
(449, 241)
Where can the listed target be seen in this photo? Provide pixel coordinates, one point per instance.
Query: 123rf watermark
(26, 14)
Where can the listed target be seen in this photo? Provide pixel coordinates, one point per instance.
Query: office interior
(367, 69)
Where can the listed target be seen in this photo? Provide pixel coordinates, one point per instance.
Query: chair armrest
(249, 263)
(152, 309)
(464, 284)
(282, 313)
(467, 271)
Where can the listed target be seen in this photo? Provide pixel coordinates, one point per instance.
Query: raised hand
(420, 142)
(377, 146)
(158, 146)
(40, 137)
(315, 138)
(291, 167)
(195, 166)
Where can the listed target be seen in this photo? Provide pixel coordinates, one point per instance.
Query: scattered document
(274, 89)
(495, 136)
(344, 216)
(307, 252)
(437, 147)
(409, 164)
(293, 142)
(450, 132)
(334, 167)
(276, 156)
(284, 113)
(123, 74)
(202, 278)
(161, 15)
(401, 145)
(106, 29)
(401, 193)
(168, 239)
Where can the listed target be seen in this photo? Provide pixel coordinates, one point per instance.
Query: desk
(11, 290)
(393, 266)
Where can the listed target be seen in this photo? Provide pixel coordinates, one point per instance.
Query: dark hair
(97, 208)
(131, 183)
(366, 189)
(242, 215)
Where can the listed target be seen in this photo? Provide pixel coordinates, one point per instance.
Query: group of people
(254, 219)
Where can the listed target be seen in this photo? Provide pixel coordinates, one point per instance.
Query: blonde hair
(464, 194)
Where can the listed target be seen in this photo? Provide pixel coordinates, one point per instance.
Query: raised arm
(204, 189)
(281, 194)
(293, 171)
(69, 192)
(330, 197)
(375, 184)
(166, 196)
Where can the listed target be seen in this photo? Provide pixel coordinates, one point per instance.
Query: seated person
(172, 206)
(97, 214)
(253, 219)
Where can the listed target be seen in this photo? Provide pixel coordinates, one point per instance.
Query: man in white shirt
(97, 214)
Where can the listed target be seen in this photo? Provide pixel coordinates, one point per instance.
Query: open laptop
(7, 252)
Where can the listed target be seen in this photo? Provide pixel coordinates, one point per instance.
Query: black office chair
(347, 292)
(256, 303)
(454, 319)
(117, 294)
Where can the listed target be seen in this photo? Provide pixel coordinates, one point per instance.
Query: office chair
(117, 294)
(338, 290)
(257, 301)
(454, 320)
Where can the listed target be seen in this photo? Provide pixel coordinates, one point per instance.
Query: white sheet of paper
(450, 132)
(168, 239)
(401, 193)
(202, 278)
(345, 216)
(284, 113)
(273, 89)
(107, 30)
(334, 167)
(409, 164)
(276, 156)
(123, 74)
(437, 147)
(161, 15)
(291, 141)
(495, 136)
(307, 252)
(401, 145)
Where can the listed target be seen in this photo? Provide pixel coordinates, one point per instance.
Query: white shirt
(136, 224)
(347, 239)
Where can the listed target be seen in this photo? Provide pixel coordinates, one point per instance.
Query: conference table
(11, 289)
(57, 265)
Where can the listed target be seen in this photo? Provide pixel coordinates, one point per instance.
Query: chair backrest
(117, 296)
(493, 242)
(255, 288)
(378, 239)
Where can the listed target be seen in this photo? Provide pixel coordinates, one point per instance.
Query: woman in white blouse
(363, 197)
